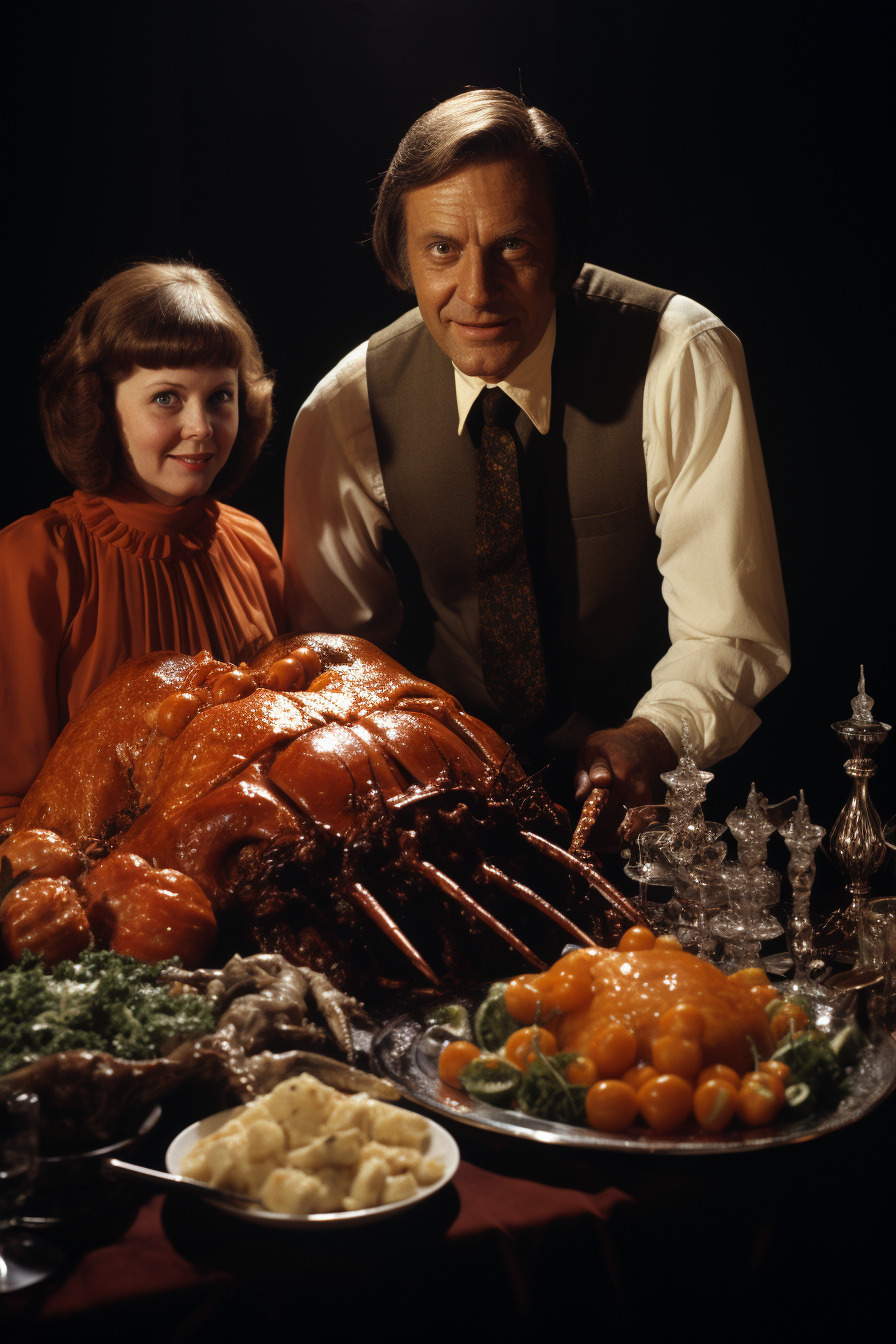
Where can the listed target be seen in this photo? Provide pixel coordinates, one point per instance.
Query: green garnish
(453, 1017)
(102, 1001)
(493, 1024)
(491, 1079)
(813, 1062)
(546, 1093)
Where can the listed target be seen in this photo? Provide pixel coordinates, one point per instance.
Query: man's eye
(513, 244)
(442, 249)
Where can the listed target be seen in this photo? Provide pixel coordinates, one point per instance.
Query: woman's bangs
(176, 344)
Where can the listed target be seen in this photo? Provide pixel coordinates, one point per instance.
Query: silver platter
(395, 1054)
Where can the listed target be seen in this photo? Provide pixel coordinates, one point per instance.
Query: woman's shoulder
(46, 529)
(243, 526)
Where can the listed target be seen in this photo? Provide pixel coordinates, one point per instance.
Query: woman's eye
(164, 398)
(224, 394)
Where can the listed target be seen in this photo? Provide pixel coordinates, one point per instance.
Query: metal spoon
(115, 1167)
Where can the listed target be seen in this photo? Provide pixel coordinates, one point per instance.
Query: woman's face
(176, 428)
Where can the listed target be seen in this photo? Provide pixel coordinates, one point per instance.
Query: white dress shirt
(706, 490)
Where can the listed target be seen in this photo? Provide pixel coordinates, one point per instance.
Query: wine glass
(24, 1259)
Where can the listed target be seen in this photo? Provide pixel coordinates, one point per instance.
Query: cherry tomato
(665, 1102)
(637, 939)
(611, 1104)
(568, 988)
(750, 975)
(287, 674)
(791, 1013)
(777, 1067)
(760, 1098)
(685, 1019)
(677, 1054)
(520, 1047)
(232, 686)
(613, 1049)
(581, 1071)
(767, 1081)
(715, 1103)
(176, 712)
(638, 1075)
(309, 660)
(763, 993)
(722, 1071)
(522, 998)
(455, 1056)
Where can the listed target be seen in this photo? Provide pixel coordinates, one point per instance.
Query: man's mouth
(482, 331)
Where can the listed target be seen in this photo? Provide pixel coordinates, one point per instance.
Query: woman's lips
(195, 462)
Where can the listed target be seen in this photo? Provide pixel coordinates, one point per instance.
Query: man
(519, 531)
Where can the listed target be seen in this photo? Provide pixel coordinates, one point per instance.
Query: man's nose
(478, 283)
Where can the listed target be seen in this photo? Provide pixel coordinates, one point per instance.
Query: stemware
(24, 1258)
(802, 838)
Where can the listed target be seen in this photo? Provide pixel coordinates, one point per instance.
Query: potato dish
(306, 1148)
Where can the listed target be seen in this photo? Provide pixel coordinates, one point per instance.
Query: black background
(735, 156)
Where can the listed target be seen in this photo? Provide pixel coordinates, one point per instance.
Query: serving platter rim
(394, 1055)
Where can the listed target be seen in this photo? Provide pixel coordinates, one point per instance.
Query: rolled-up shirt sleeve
(337, 577)
(718, 556)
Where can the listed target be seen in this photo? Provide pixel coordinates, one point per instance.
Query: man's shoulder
(407, 325)
(680, 319)
(346, 379)
(598, 285)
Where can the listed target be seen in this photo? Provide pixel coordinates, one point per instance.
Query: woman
(154, 402)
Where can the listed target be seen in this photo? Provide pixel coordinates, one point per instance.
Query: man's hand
(628, 761)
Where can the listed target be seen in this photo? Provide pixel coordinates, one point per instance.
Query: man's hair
(157, 315)
(481, 126)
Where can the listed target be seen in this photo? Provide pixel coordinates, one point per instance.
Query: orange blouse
(94, 580)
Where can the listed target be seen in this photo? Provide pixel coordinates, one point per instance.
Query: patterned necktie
(512, 657)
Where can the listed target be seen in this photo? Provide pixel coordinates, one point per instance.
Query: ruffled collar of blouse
(133, 521)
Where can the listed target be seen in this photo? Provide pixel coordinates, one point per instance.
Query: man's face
(481, 250)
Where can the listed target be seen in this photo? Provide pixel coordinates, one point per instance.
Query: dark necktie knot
(498, 408)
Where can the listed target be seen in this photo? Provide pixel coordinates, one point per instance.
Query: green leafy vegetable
(492, 1079)
(102, 1001)
(813, 1062)
(493, 1024)
(546, 1093)
(452, 1017)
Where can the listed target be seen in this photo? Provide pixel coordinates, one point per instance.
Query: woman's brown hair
(479, 126)
(156, 315)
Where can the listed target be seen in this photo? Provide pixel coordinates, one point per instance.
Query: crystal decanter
(857, 841)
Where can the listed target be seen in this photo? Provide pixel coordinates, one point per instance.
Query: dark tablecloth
(527, 1239)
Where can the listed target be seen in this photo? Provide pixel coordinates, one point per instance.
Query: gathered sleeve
(718, 552)
(40, 588)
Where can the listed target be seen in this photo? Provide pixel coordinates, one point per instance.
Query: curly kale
(102, 1001)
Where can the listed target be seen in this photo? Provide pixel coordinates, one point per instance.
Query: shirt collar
(529, 385)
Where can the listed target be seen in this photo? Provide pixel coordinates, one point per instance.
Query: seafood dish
(320, 803)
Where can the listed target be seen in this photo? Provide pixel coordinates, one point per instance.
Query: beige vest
(591, 542)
